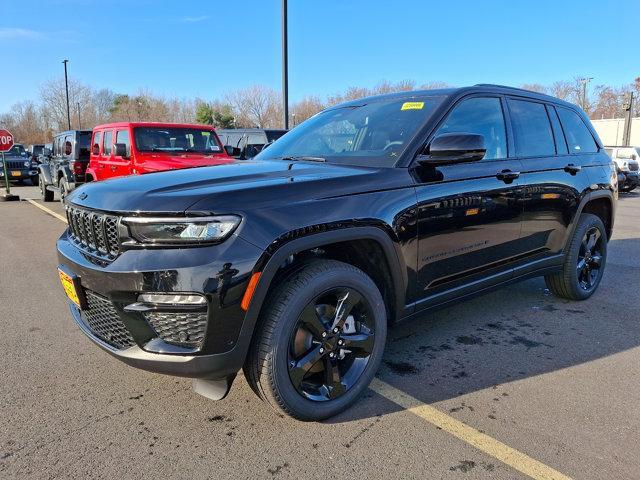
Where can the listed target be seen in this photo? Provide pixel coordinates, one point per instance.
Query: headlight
(27, 164)
(181, 230)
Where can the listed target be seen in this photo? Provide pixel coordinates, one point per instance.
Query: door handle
(507, 176)
(113, 168)
(572, 169)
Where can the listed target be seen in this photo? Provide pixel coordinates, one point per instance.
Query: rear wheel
(46, 195)
(584, 261)
(320, 341)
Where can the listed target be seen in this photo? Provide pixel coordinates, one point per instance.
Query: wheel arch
(277, 255)
(600, 203)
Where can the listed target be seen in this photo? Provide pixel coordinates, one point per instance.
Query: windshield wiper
(303, 158)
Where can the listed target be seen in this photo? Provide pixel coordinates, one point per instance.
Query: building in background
(611, 131)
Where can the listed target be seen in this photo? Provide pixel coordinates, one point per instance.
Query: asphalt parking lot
(514, 384)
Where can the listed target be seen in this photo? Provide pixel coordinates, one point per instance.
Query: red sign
(6, 140)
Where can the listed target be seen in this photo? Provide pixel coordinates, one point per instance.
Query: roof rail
(508, 87)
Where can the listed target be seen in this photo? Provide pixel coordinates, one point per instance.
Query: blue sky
(206, 48)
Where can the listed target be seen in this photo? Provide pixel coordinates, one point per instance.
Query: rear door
(469, 214)
(554, 176)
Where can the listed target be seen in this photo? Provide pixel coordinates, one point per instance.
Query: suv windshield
(374, 133)
(17, 151)
(161, 139)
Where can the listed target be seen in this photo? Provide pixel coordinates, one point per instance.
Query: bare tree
(306, 108)
(434, 85)
(256, 106)
(534, 87)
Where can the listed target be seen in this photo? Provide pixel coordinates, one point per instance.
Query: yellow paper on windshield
(412, 106)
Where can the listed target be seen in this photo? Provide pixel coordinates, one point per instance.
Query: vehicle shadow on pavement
(511, 334)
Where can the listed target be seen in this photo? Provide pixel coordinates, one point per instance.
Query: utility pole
(66, 86)
(628, 107)
(285, 67)
(79, 123)
(584, 82)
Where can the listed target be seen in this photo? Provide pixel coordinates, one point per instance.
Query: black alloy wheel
(331, 344)
(590, 259)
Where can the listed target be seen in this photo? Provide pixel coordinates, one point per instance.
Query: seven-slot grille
(14, 164)
(94, 231)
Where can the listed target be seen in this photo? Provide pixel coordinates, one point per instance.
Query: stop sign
(6, 140)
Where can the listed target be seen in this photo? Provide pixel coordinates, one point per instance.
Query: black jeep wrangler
(292, 265)
(63, 167)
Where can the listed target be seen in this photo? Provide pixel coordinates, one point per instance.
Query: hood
(236, 186)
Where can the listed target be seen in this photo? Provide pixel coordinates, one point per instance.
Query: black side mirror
(120, 150)
(46, 152)
(450, 148)
(232, 151)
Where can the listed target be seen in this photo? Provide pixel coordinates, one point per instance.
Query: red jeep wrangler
(131, 148)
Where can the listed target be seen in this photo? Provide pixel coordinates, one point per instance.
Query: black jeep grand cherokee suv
(291, 266)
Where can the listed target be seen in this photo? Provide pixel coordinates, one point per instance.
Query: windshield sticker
(412, 106)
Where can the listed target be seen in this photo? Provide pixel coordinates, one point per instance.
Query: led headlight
(181, 230)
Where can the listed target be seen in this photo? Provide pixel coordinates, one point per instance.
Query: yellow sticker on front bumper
(412, 106)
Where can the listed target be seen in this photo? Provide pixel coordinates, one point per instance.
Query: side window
(108, 143)
(95, 146)
(561, 143)
(122, 136)
(531, 129)
(579, 138)
(480, 115)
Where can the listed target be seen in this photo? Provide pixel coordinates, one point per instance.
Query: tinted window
(480, 116)
(561, 144)
(174, 139)
(531, 129)
(108, 142)
(96, 142)
(579, 138)
(122, 136)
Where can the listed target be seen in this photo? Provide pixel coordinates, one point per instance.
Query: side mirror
(450, 148)
(95, 150)
(232, 151)
(46, 152)
(120, 150)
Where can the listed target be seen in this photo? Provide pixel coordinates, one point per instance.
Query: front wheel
(319, 342)
(64, 189)
(584, 261)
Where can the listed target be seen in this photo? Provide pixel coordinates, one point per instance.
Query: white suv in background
(627, 163)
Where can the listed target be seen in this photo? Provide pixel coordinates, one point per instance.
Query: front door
(470, 213)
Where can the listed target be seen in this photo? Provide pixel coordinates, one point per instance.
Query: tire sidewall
(304, 408)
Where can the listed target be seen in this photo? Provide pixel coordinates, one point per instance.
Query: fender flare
(92, 172)
(269, 265)
(588, 197)
(46, 174)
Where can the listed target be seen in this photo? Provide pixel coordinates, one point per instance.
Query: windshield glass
(161, 139)
(375, 133)
(17, 151)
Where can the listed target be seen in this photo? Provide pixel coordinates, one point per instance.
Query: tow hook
(213, 389)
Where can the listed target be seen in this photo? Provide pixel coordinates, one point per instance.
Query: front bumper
(220, 273)
(15, 174)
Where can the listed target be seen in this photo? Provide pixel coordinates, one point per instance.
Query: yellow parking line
(470, 435)
(48, 210)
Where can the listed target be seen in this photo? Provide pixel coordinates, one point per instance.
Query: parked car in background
(627, 160)
(135, 148)
(63, 168)
(20, 167)
(248, 142)
(291, 267)
(34, 151)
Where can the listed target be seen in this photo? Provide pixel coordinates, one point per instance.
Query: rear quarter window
(579, 138)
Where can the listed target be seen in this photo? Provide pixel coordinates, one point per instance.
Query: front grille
(185, 329)
(103, 320)
(633, 166)
(94, 231)
(14, 164)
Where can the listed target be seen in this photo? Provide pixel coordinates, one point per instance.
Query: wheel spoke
(596, 261)
(299, 370)
(361, 344)
(311, 321)
(346, 303)
(334, 384)
(582, 264)
(593, 238)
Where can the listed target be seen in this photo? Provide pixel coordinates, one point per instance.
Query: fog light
(172, 299)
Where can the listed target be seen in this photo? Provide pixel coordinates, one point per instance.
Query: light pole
(285, 67)
(66, 87)
(584, 82)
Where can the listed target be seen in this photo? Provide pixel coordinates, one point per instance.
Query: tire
(270, 367)
(573, 282)
(46, 195)
(35, 181)
(64, 189)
